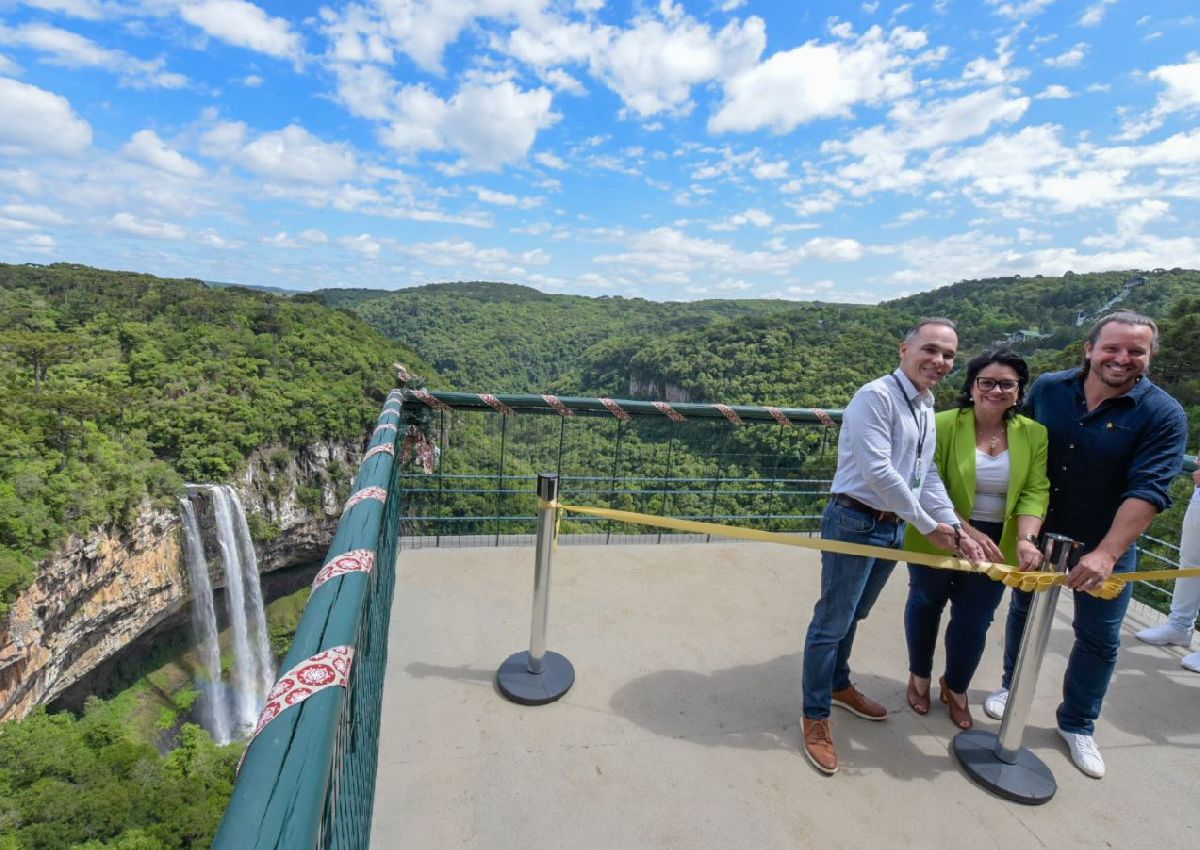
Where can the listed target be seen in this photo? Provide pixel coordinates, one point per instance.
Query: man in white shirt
(885, 477)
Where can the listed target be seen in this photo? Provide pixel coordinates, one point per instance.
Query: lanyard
(920, 423)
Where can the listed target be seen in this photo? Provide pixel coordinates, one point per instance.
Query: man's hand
(1029, 556)
(944, 536)
(1196, 476)
(1091, 571)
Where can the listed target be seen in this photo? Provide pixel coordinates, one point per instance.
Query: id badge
(916, 485)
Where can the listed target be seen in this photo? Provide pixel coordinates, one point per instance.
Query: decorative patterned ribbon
(386, 426)
(557, 404)
(824, 418)
(354, 561)
(780, 417)
(428, 397)
(381, 449)
(615, 409)
(668, 411)
(729, 413)
(327, 669)
(377, 493)
(401, 373)
(496, 404)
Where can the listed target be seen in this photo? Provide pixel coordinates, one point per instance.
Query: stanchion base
(1028, 781)
(519, 685)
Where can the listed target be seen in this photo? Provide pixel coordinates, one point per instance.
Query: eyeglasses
(1006, 385)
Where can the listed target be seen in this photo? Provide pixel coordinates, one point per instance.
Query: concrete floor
(682, 729)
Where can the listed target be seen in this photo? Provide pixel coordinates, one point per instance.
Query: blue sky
(729, 148)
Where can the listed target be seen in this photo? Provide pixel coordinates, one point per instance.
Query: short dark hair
(1126, 317)
(1005, 357)
(932, 320)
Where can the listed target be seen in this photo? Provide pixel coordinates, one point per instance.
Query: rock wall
(100, 592)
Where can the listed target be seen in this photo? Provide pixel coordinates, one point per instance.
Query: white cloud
(91, 10)
(815, 81)
(1183, 86)
(71, 50)
(756, 217)
(505, 199)
(1054, 92)
(147, 147)
(490, 124)
(549, 160)
(290, 154)
(654, 65)
(771, 170)
(1026, 9)
(468, 259)
(130, 223)
(1068, 59)
(243, 24)
(834, 249)
(47, 123)
(420, 28)
(1094, 14)
(33, 214)
(364, 244)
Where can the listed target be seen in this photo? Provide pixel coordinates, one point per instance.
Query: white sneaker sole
(856, 712)
(816, 763)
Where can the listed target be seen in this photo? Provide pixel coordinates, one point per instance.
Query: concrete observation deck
(683, 727)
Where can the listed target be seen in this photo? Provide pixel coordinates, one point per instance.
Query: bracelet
(958, 534)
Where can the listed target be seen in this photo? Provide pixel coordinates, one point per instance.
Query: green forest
(119, 387)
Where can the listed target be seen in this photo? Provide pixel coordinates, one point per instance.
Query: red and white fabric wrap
(495, 404)
(328, 669)
(377, 493)
(354, 561)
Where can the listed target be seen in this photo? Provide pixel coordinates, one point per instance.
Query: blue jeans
(850, 584)
(973, 599)
(1093, 658)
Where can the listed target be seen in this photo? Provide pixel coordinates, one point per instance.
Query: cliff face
(97, 594)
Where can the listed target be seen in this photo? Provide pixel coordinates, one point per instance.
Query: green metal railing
(767, 467)
(308, 777)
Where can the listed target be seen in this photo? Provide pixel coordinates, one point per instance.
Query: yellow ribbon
(1010, 576)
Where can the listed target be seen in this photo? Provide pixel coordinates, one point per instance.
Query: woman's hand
(1029, 556)
(991, 552)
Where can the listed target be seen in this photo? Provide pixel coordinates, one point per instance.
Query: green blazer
(1028, 486)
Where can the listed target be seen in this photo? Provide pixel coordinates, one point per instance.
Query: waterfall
(260, 644)
(204, 626)
(252, 664)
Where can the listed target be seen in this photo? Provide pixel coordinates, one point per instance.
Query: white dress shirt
(877, 453)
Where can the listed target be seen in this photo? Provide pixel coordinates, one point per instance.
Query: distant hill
(491, 336)
(218, 284)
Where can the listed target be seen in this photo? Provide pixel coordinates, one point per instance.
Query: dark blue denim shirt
(1130, 446)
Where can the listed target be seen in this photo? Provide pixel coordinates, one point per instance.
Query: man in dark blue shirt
(1116, 443)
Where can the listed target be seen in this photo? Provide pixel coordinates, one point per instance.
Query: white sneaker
(1084, 753)
(1191, 662)
(995, 704)
(1166, 634)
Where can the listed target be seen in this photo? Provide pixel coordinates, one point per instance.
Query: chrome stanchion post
(998, 761)
(537, 677)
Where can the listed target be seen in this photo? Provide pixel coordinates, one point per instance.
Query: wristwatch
(1032, 538)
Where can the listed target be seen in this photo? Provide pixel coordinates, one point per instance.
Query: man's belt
(863, 508)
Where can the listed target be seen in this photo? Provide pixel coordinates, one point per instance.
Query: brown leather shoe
(818, 745)
(856, 702)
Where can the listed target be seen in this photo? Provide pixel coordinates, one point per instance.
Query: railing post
(998, 762)
(537, 677)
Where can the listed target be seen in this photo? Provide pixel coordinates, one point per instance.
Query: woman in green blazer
(993, 462)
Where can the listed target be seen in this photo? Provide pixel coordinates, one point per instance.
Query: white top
(991, 486)
(877, 453)
(1196, 496)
